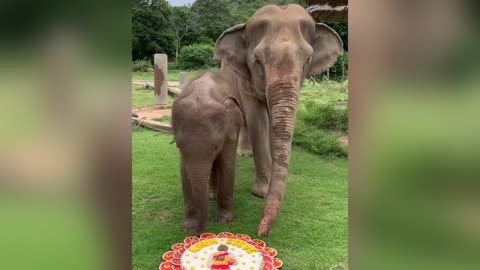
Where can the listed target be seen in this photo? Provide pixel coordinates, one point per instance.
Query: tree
(151, 32)
(182, 21)
(214, 17)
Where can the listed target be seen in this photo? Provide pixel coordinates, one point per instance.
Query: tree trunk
(177, 48)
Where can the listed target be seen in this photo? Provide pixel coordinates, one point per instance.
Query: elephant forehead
(276, 24)
(284, 9)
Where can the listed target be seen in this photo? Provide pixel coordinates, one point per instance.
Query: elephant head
(275, 50)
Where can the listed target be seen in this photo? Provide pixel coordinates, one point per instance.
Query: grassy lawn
(144, 97)
(164, 119)
(173, 75)
(309, 233)
(322, 93)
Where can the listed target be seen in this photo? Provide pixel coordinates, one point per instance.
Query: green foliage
(196, 56)
(183, 22)
(214, 17)
(324, 116)
(242, 10)
(141, 66)
(158, 27)
(151, 31)
(172, 65)
(318, 128)
(318, 141)
(205, 40)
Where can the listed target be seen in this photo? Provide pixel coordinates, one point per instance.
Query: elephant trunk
(283, 89)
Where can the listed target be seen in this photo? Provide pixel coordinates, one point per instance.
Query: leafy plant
(141, 66)
(318, 141)
(198, 56)
(324, 116)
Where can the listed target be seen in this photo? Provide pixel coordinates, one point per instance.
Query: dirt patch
(343, 140)
(151, 113)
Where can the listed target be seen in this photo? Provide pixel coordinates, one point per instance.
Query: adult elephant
(269, 56)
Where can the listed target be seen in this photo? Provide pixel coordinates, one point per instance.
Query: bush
(197, 56)
(318, 128)
(323, 116)
(141, 66)
(318, 141)
(343, 117)
(172, 66)
(205, 40)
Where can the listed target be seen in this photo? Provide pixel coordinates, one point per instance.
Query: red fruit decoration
(237, 252)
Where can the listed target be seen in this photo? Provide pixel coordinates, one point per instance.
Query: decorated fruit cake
(222, 251)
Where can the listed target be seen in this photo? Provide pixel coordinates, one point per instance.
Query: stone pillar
(160, 69)
(183, 79)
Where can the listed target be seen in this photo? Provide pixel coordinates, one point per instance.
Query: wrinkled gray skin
(244, 147)
(206, 120)
(270, 56)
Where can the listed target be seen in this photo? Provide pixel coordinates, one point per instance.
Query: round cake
(221, 251)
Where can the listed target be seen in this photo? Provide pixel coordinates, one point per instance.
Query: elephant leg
(244, 146)
(212, 185)
(195, 195)
(225, 169)
(258, 128)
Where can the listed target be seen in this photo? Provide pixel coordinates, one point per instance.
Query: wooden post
(183, 79)
(160, 69)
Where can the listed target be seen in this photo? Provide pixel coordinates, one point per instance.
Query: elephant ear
(327, 46)
(231, 50)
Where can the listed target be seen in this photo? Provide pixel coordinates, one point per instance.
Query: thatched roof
(328, 10)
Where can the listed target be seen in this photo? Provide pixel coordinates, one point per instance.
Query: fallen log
(166, 128)
(174, 90)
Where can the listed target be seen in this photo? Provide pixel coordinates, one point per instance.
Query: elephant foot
(225, 216)
(260, 189)
(244, 152)
(191, 226)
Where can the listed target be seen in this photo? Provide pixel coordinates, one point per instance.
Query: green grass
(324, 93)
(141, 98)
(164, 119)
(173, 75)
(44, 227)
(318, 141)
(309, 233)
(145, 97)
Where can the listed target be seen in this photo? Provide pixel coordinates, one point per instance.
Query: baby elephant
(206, 119)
